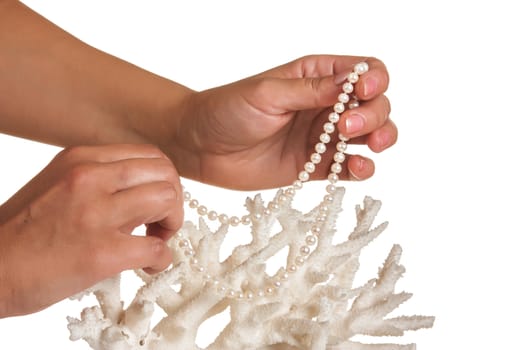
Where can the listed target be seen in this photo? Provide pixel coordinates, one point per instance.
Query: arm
(56, 89)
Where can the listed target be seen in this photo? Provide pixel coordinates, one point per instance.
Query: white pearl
(221, 289)
(353, 77)
(189, 252)
(316, 230)
(339, 107)
(333, 117)
(184, 243)
(223, 219)
(249, 295)
(299, 261)
(194, 203)
(187, 196)
(234, 221)
(231, 293)
(320, 148)
(336, 168)
(324, 138)
(330, 189)
(269, 290)
(304, 250)
(310, 240)
(257, 217)
(323, 209)
(343, 137)
(339, 157)
(202, 210)
(282, 199)
(329, 128)
(240, 295)
(198, 268)
(333, 178)
(348, 88)
(303, 176)
(292, 269)
(212, 215)
(297, 184)
(343, 98)
(341, 146)
(260, 293)
(290, 191)
(316, 158)
(284, 276)
(277, 284)
(353, 104)
(361, 68)
(194, 261)
(267, 211)
(273, 206)
(245, 220)
(328, 199)
(309, 167)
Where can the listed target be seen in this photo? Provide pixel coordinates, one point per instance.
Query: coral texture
(317, 307)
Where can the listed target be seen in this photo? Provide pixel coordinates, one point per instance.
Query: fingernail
(354, 123)
(341, 77)
(384, 140)
(370, 87)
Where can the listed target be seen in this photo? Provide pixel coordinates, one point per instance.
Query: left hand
(258, 132)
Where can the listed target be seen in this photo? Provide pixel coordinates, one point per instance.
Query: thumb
(142, 252)
(303, 93)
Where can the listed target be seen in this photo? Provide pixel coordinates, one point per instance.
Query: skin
(73, 221)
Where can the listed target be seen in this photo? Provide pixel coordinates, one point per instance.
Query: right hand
(70, 227)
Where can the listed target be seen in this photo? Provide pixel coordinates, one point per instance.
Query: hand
(70, 227)
(258, 132)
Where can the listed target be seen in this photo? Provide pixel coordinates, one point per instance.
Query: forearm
(56, 89)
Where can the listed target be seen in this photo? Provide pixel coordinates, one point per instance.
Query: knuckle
(80, 176)
(71, 155)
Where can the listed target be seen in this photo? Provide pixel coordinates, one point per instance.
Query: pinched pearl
(348, 88)
(315, 158)
(333, 117)
(320, 148)
(353, 77)
(324, 138)
(361, 68)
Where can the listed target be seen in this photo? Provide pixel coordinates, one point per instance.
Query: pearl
(329, 128)
(328, 199)
(194, 203)
(212, 215)
(184, 243)
(341, 146)
(299, 261)
(284, 276)
(303, 176)
(282, 199)
(320, 148)
(324, 138)
(315, 158)
(330, 189)
(260, 293)
(231, 293)
(316, 230)
(353, 104)
(202, 210)
(277, 284)
(353, 77)
(336, 168)
(333, 178)
(361, 68)
(333, 117)
(234, 221)
(348, 88)
(186, 195)
(273, 206)
(179, 235)
(269, 290)
(221, 289)
(309, 167)
(245, 220)
(343, 137)
(339, 107)
(339, 157)
(249, 295)
(343, 98)
(290, 191)
(292, 268)
(267, 211)
(189, 252)
(297, 184)
(310, 240)
(257, 217)
(223, 219)
(304, 250)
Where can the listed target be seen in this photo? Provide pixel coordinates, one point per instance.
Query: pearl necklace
(275, 282)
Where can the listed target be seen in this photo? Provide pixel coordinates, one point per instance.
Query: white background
(452, 188)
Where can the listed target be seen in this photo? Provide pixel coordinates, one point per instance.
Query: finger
(140, 252)
(127, 173)
(109, 153)
(145, 204)
(360, 168)
(364, 119)
(383, 137)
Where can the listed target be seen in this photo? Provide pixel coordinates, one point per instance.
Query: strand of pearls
(345, 100)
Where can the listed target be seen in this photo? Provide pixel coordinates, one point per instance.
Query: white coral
(317, 308)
